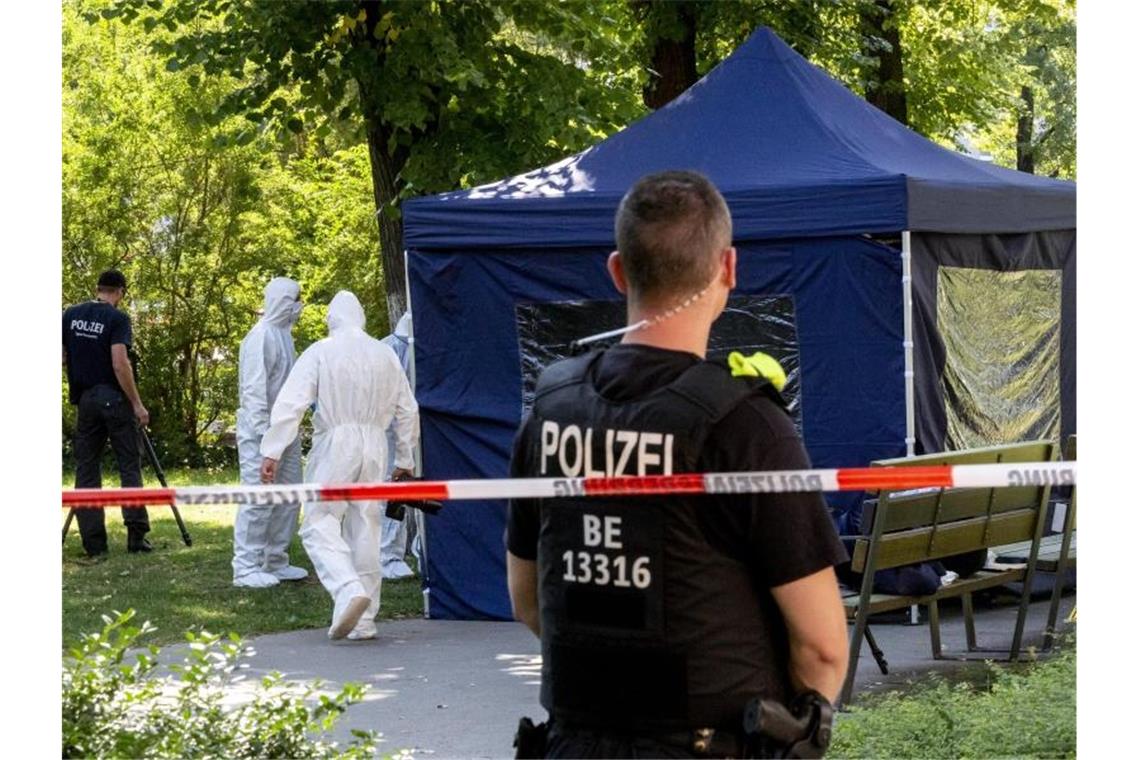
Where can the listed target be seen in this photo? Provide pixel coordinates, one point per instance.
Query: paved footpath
(448, 689)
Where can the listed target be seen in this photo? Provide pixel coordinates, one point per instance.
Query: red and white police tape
(776, 481)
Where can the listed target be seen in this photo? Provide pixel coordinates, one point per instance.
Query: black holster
(530, 740)
(801, 730)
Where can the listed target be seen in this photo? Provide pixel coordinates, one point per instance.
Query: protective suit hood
(281, 306)
(345, 312)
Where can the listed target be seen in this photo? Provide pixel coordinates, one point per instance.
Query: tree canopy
(212, 144)
(443, 93)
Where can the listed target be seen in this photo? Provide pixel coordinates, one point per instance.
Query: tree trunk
(1025, 132)
(671, 28)
(386, 166)
(886, 90)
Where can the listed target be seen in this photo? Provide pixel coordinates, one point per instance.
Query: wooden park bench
(921, 525)
(1057, 553)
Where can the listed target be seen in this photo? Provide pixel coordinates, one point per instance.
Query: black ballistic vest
(645, 625)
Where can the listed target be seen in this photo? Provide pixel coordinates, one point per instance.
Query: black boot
(136, 543)
(95, 548)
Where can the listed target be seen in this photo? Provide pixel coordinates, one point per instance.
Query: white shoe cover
(256, 579)
(365, 629)
(290, 573)
(348, 619)
(396, 569)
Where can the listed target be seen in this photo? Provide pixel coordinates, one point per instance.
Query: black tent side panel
(995, 337)
(1005, 200)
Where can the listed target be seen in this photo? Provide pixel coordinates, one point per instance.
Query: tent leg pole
(421, 524)
(908, 343)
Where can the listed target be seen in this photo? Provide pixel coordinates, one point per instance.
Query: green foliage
(445, 93)
(964, 61)
(150, 188)
(210, 145)
(315, 220)
(951, 56)
(199, 213)
(1043, 56)
(1031, 714)
(118, 702)
(966, 64)
(460, 92)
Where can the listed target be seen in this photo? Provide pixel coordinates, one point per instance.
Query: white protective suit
(262, 533)
(359, 389)
(394, 533)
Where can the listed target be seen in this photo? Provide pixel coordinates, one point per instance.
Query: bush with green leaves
(118, 701)
(1022, 714)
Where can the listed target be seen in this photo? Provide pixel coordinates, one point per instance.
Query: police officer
(96, 338)
(661, 617)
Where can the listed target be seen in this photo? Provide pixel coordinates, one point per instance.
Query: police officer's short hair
(112, 279)
(669, 228)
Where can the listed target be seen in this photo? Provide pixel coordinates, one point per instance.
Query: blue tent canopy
(794, 152)
(497, 273)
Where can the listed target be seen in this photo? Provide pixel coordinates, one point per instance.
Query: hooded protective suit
(394, 533)
(359, 389)
(262, 533)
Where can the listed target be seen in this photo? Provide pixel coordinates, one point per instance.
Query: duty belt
(707, 742)
(702, 742)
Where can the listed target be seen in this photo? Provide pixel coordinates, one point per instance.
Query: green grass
(1028, 712)
(202, 476)
(177, 587)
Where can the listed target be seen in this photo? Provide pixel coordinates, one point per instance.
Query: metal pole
(67, 524)
(908, 343)
(153, 457)
(908, 364)
(417, 515)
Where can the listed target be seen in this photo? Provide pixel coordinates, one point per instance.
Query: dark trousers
(104, 414)
(579, 742)
(586, 743)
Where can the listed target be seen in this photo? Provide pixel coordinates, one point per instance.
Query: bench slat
(980, 581)
(1049, 552)
(910, 510)
(916, 545)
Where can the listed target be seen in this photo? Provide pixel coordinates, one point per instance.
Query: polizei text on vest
(575, 451)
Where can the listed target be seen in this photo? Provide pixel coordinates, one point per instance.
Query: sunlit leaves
(117, 702)
(161, 184)
(530, 81)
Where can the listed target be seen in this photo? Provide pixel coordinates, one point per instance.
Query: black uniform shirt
(89, 331)
(780, 537)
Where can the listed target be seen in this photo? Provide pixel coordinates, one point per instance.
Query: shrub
(116, 707)
(1030, 714)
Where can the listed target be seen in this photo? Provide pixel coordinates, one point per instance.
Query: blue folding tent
(881, 251)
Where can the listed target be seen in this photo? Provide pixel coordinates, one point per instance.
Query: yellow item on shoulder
(759, 364)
